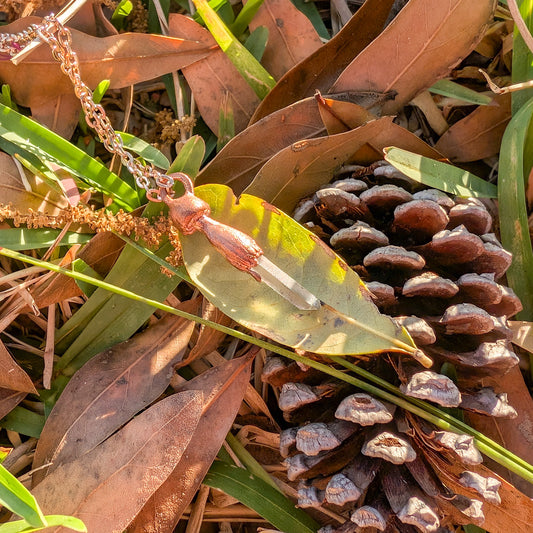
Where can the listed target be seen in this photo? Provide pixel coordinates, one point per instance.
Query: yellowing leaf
(305, 258)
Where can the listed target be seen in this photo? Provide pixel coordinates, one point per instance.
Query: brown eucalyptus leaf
(291, 36)
(60, 114)
(27, 191)
(517, 434)
(420, 46)
(11, 375)
(318, 71)
(211, 78)
(9, 399)
(123, 59)
(300, 169)
(239, 161)
(108, 486)
(223, 387)
(515, 510)
(479, 134)
(340, 116)
(110, 389)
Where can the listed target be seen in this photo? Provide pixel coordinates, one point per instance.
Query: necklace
(187, 212)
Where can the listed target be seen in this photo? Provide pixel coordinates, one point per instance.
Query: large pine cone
(431, 262)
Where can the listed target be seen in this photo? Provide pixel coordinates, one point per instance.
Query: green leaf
(18, 499)
(47, 146)
(23, 421)
(245, 16)
(522, 67)
(148, 152)
(5, 97)
(190, 157)
(79, 265)
(513, 210)
(31, 239)
(310, 10)
(250, 69)
(439, 175)
(101, 89)
(23, 526)
(257, 41)
(262, 498)
(123, 10)
(222, 8)
(330, 330)
(455, 90)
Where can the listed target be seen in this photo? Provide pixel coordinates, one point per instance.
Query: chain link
(59, 39)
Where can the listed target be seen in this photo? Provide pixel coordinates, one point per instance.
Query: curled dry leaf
(123, 59)
(479, 134)
(340, 116)
(111, 388)
(108, 486)
(320, 69)
(11, 375)
(300, 169)
(214, 76)
(291, 36)
(239, 161)
(420, 46)
(9, 399)
(223, 388)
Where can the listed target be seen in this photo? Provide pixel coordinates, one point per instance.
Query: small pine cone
(432, 263)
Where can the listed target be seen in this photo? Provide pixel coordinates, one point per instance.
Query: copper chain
(59, 39)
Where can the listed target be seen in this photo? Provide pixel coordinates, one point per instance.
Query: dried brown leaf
(224, 387)
(107, 486)
(239, 161)
(340, 116)
(291, 36)
(11, 375)
(25, 191)
(9, 399)
(123, 59)
(421, 45)
(320, 69)
(515, 434)
(210, 79)
(300, 169)
(479, 134)
(111, 388)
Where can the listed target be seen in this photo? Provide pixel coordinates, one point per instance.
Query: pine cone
(433, 264)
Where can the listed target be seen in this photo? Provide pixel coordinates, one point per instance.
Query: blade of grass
(190, 157)
(262, 498)
(249, 68)
(426, 411)
(48, 146)
(513, 210)
(59, 520)
(31, 239)
(148, 152)
(455, 90)
(522, 67)
(23, 421)
(18, 499)
(245, 16)
(439, 175)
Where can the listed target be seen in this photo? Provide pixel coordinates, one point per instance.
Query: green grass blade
(262, 498)
(522, 67)
(250, 69)
(23, 421)
(148, 152)
(379, 387)
(58, 520)
(310, 10)
(48, 146)
(455, 90)
(257, 41)
(439, 175)
(190, 158)
(245, 16)
(18, 499)
(31, 239)
(513, 210)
